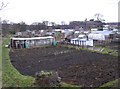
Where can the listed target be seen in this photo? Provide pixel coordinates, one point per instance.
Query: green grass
(113, 84)
(11, 77)
(110, 51)
(106, 50)
(69, 85)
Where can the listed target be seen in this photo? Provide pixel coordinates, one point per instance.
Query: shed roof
(33, 38)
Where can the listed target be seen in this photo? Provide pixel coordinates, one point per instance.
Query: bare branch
(3, 5)
(98, 17)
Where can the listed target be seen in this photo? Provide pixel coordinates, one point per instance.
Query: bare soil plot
(74, 66)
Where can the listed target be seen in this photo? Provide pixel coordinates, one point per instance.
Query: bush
(47, 79)
(12, 32)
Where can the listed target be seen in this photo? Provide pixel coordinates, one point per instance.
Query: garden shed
(31, 42)
(82, 42)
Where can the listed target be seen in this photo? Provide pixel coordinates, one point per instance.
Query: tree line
(22, 26)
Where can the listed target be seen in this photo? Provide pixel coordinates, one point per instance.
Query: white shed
(31, 42)
(83, 42)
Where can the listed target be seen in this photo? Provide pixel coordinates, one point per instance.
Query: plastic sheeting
(99, 35)
(104, 32)
(96, 36)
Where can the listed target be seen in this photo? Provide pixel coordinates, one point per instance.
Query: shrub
(47, 79)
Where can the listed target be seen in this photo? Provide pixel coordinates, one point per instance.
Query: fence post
(78, 43)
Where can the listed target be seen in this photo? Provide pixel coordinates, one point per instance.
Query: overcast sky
(31, 11)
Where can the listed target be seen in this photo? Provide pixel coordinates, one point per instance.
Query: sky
(31, 11)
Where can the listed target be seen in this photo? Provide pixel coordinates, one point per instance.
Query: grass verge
(11, 77)
(112, 84)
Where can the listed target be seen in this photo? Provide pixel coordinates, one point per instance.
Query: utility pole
(85, 23)
(2, 6)
(0, 27)
(1, 53)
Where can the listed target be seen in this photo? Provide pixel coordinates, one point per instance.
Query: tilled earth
(79, 67)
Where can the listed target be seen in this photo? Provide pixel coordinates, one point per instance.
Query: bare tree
(45, 23)
(5, 21)
(53, 23)
(2, 6)
(62, 22)
(99, 17)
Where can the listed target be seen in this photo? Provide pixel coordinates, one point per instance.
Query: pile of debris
(47, 79)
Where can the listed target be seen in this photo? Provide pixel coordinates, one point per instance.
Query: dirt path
(79, 67)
